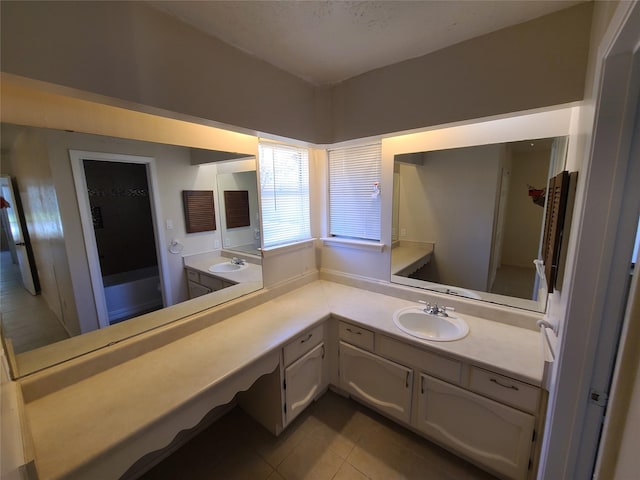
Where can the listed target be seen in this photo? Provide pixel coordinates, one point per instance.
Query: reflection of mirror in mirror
(238, 200)
(64, 307)
(468, 221)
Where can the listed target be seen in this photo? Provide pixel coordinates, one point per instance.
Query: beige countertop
(110, 419)
(251, 274)
(411, 256)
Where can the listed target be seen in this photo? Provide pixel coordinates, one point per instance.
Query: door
(383, 384)
(14, 227)
(120, 226)
(489, 432)
(303, 382)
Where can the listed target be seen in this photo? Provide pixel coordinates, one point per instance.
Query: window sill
(352, 243)
(286, 248)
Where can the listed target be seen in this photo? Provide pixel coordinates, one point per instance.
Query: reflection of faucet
(237, 261)
(436, 310)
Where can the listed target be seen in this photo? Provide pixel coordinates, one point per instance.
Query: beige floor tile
(349, 472)
(314, 447)
(275, 476)
(310, 460)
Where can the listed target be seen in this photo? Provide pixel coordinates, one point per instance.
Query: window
(284, 188)
(354, 192)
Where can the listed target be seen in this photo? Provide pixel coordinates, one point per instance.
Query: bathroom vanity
(134, 397)
(203, 277)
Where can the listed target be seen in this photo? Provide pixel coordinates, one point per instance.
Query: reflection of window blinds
(284, 188)
(354, 199)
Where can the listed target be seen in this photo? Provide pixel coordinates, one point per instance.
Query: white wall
(450, 201)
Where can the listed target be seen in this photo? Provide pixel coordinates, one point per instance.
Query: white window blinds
(354, 194)
(284, 188)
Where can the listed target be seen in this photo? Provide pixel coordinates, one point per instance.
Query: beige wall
(534, 64)
(130, 51)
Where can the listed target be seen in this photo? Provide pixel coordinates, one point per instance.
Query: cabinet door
(488, 432)
(197, 290)
(303, 382)
(384, 384)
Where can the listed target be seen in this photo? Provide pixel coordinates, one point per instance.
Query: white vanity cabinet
(274, 400)
(303, 382)
(384, 384)
(201, 284)
(485, 417)
(480, 429)
(305, 377)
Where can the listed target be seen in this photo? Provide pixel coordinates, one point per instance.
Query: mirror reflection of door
(119, 201)
(15, 238)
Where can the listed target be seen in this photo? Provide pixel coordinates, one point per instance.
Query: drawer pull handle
(510, 387)
(354, 331)
(306, 339)
(406, 382)
(322, 351)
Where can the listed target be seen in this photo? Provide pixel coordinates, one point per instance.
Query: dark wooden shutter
(236, 207)
(554, 225)
(199, 213)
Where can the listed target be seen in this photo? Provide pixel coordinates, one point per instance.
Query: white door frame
(79, 178)
(605, 235)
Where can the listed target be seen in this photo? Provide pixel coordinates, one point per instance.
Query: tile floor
(26, 318)
(335, 438)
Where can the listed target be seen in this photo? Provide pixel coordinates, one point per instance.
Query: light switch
(169, 224)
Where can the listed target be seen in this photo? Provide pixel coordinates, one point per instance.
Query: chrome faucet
(237, 261)
(436, 310)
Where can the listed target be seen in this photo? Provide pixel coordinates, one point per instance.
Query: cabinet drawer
(430, 363)
(302, 344)
(356, 335)
(505, 389)
(193, 276)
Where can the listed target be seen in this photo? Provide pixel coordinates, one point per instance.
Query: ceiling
(326, 42)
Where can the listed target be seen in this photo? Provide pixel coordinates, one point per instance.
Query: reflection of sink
(226, 267)
(415, 322)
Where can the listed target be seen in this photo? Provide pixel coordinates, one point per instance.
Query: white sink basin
(226, 267)
(416, 322)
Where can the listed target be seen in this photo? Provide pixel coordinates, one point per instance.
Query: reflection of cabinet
(200, 283)
(384, 384)
(489, 432)
(485, 417)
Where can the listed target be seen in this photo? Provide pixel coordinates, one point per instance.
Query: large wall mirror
(131, 193)
(469, 221)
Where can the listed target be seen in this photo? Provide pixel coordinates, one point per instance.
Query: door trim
(80, 181)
